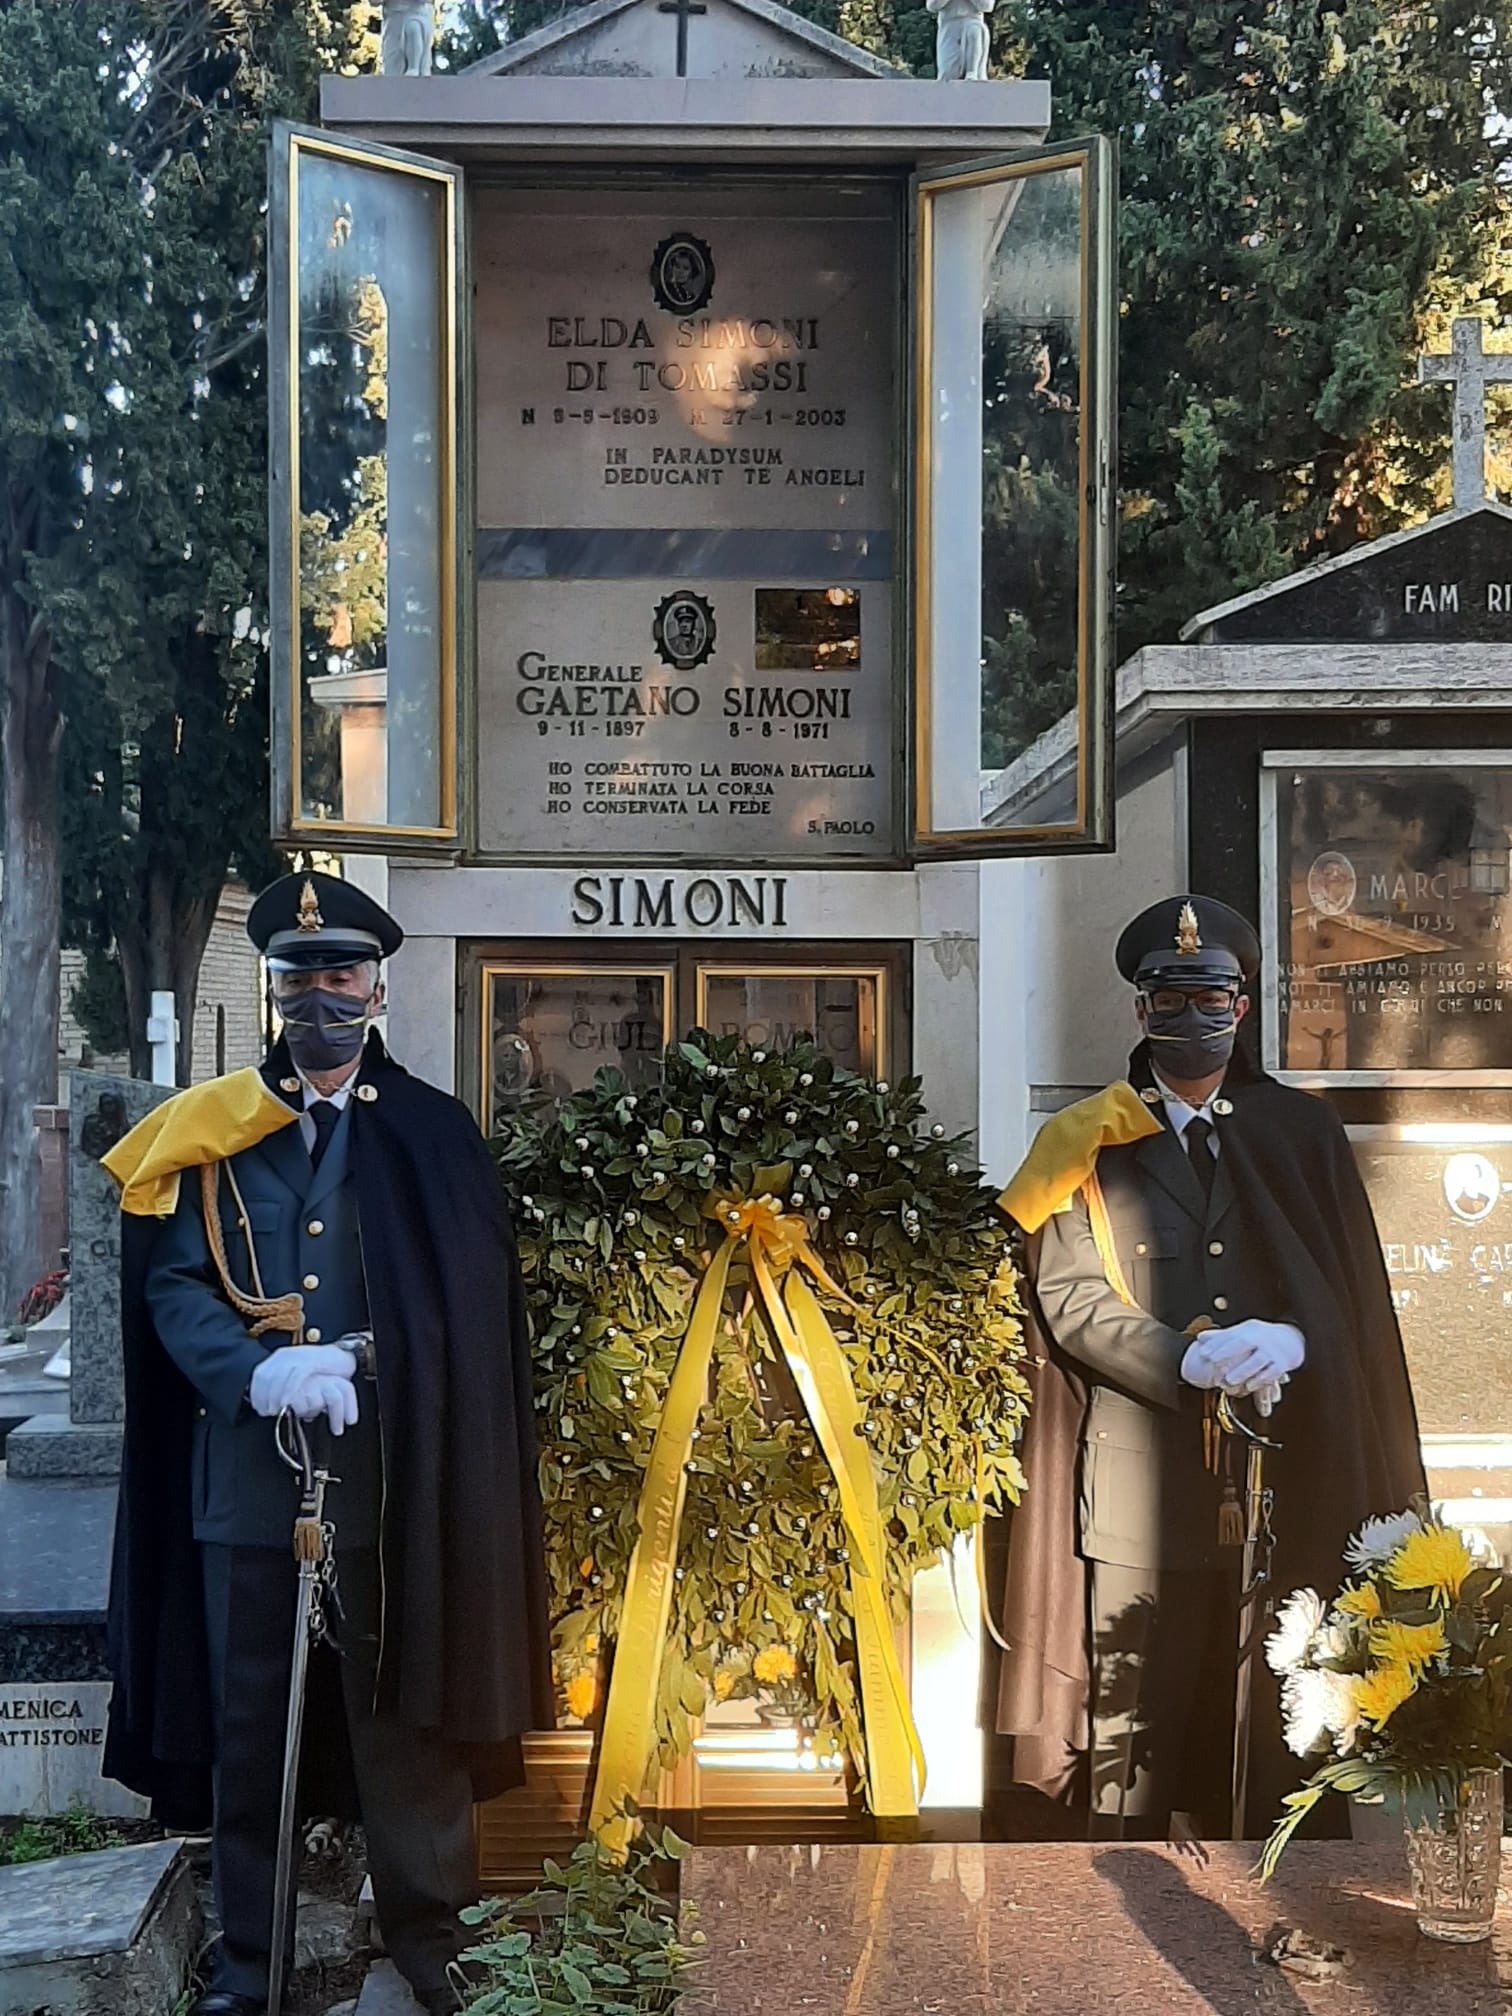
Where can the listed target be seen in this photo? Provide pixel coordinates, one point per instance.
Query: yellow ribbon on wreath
(780, 1257)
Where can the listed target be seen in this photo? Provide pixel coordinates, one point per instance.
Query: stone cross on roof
(1469, 369)
(682, 9)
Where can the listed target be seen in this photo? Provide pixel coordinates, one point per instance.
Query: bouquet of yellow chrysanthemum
(1404, 1677)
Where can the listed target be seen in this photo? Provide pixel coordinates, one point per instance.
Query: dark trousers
(414, 1794)
(1163, 1664)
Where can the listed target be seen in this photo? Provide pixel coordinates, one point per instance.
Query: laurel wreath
(608, 1196)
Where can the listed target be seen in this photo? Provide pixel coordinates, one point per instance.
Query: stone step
(109, 1934)
(385, 1992)
(51, 1446)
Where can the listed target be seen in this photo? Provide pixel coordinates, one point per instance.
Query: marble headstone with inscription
(57, 1501)
(102, 1107)
(685, 497)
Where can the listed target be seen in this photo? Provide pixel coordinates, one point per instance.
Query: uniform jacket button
(312, 1335)
(312, 1280)
(1215, 1248)
(1220, 1301)
(201, 1412)
(1141, 1247)
(315, 1227)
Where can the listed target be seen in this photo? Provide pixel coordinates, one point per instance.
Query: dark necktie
(325, 1116)
(1199, 1146)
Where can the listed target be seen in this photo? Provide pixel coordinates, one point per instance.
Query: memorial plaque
(685, 501)
(52, 1738)
(1392, 917)
(1445, 1218)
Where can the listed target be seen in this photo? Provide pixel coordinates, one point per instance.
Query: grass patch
(76, 1832)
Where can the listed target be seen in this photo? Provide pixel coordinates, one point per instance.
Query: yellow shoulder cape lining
(1066, 1149)
(204, 1124)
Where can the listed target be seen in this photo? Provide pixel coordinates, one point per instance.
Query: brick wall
(229, 994)
(229, 991)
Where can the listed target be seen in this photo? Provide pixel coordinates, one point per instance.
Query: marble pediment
(724, 38)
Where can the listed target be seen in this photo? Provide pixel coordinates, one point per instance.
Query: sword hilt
(1233, 1423)
(309, 1525)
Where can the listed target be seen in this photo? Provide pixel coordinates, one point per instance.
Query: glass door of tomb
(539, 1020)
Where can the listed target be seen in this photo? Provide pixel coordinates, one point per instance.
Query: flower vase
(1455, 1859)
(773, 1715)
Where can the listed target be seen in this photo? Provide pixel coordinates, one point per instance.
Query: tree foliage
(132, 474)
(72, 280)
(159, 617)
(1308, 195)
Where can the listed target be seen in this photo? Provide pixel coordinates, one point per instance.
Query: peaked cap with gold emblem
(303, 923)
(1188, 941)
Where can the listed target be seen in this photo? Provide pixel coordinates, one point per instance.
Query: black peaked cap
(312, 920)
(1188, 941)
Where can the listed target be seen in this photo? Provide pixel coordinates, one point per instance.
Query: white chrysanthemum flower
(1298, 1623)
(1341, 1709)
(1306, 1700)
(1378, 1539)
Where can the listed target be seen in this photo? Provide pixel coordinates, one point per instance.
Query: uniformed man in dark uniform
(1200, 1230)
(327, 1206)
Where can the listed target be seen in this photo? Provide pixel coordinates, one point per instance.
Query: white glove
(325, 1393)
(1198, 1367)
(284, 1371)
(1268, 1398)
(1246, 1356)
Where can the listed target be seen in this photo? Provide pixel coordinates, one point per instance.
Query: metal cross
(682, 9)
(1469, 369)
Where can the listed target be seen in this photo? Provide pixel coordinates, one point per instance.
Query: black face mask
(1193, 1043)
(323, 1030)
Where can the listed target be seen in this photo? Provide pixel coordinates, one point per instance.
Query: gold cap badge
(309, 918)
(1188, 939)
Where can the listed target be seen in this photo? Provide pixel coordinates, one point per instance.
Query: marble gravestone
(684, 546)
(1444, 1210)
(102, 1108)
(57, 1501)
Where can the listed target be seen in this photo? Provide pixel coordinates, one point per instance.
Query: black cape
(467, 1642)
(1351, 1448)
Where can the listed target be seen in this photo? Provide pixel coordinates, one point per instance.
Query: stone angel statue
(961, 37)
(409, 28)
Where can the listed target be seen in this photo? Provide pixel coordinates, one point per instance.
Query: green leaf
(577, 1983)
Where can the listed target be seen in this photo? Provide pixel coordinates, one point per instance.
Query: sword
(314, 1550)
(1254, 1592)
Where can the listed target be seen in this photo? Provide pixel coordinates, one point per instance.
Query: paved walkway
(1068, 1929)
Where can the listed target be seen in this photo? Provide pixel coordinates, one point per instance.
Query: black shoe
(221, 2002)
(439, 2002)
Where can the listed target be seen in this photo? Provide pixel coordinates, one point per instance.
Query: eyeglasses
(1172, 1000)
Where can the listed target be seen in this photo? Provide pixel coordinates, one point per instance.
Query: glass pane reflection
(841, 1012)
(1394, 921)
(548, 1033)
(1011, 545)
(372, 377)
